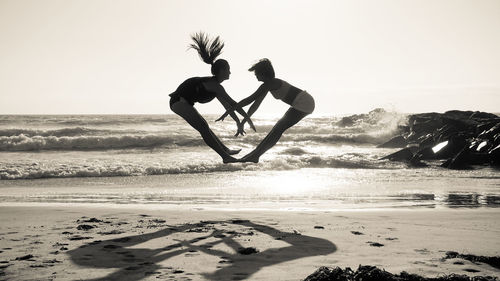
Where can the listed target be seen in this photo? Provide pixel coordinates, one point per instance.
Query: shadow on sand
(240, 264)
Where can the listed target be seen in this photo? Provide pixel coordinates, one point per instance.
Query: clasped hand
(241, 130)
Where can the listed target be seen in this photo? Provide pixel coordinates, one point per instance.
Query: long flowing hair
(263, 67)
(208, 49)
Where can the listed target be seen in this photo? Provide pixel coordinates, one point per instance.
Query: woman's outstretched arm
(259, 94)
(228, 104)
(253, 108)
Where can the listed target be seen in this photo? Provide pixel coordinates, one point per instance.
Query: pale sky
(109, 57)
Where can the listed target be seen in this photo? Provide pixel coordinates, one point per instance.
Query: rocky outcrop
(461, 138)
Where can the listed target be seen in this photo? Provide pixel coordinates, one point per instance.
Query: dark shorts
(175, 98)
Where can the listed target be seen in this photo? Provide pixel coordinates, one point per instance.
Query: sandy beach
(250, 140)
(86, 242)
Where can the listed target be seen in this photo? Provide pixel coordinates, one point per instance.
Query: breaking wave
(72, 139)
(75, 131)
(89, 133)
(36, 143)
(46, 170)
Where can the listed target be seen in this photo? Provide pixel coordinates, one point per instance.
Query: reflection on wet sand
(451, 200)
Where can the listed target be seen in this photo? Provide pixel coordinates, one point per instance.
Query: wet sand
(86, 242)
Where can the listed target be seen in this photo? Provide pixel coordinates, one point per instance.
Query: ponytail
(208, 49)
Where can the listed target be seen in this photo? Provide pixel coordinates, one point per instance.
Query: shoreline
(141, 243)
(266, 207)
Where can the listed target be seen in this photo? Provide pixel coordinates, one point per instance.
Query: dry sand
(82, 242)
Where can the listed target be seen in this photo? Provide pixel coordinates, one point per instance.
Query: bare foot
(229, 159)
(249, 158)
(233, 151)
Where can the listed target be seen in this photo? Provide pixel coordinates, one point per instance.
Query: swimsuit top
(192, 90)
(286, 92)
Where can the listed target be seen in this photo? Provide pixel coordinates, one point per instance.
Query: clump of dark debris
(372, 273)
(493, 261)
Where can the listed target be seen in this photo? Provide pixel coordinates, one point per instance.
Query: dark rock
(458, 114)
(460, 161)
(395, 142)
(484, 146)
(372, 273)
(446, 163)
(488, 134)
(373, 117)
(471, 138)
(486, 126)
(375, 244)
(473, 143)
(424, 126)
(404, 154)
(478, 115)
(496, 139)
(23, 258)
(455, 145)
(247, 251)
(492, 261)
(495, 155)
(426, 141)
(78, 237)
(424, 154)
(476, 158)
(90, 220)
(416, 162)
(330, 274)
(236, 221)
(85, 227)
(346, 122)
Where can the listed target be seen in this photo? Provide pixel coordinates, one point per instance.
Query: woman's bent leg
(227, 149)
(191, 115)
(291, 117)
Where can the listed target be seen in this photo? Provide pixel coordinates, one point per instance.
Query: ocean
(159, 160)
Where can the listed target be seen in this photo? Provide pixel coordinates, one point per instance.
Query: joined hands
(241, 130)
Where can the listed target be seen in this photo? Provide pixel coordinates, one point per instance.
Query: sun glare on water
(292, 183)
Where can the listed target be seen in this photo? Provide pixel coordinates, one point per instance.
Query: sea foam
(37, 170)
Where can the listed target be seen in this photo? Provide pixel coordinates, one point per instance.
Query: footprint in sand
(422, 251)
(375, 244)
(391, 238)
(111, 232)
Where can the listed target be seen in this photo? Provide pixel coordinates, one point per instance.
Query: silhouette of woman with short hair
(205, 89)
(301, 104)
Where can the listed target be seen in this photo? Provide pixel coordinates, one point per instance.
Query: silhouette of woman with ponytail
(205, 89)
(301, 104)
